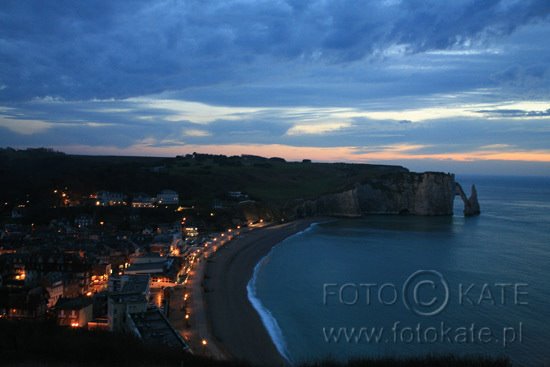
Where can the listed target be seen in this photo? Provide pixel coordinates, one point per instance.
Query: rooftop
(136, 283)
(153, 327)
(128, 298)
(150, 268)
(130, 283)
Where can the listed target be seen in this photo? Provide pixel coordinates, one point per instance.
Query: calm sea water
(389, 285)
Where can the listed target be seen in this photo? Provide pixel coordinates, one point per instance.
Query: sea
(401, 286)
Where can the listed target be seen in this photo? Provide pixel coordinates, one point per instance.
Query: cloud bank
(335, 77)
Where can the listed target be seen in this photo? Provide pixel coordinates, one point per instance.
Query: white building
(191, 231)
(107, 198)
(83, 221)
(143, 201)
(239, 195)
(54, 287)
(168, 197)
(128, 295)
(119, 306)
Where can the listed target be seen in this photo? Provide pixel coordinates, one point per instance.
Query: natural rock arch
(471, 205)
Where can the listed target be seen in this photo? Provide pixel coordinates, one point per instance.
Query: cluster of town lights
(96, 280)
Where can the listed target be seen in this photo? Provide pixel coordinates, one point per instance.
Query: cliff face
(400, 193)
(344, 204)
(410, 193)
(471, 205)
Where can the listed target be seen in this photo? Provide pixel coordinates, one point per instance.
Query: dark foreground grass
(46, 344)
(40, 344)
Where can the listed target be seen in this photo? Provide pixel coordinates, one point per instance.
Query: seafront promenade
(188, 303)
(212, 310)
(188, 309)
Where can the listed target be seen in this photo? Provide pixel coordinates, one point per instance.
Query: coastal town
(154, 260)
(289, 183)
(131, 263)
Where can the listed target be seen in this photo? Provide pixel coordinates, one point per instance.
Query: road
(188, 299)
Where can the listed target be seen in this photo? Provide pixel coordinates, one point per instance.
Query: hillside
(199, 178)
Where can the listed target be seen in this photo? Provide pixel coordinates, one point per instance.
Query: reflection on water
(508, 244)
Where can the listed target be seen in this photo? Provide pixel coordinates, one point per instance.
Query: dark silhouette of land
(199, 178)
(45, 344)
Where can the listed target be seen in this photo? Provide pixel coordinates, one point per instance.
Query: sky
(460, 86)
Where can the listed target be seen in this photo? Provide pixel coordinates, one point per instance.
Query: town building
(107, 198)
(143, 201)
(83, 221)
(128, 295)
(237, 195)
(74, 312)
(53, 284)
(162, 271)
(121, 305)
(129, 284)
(23, 302)
(190, 231)
(168, 197)
(153, 327)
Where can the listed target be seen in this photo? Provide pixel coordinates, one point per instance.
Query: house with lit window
(23, 302)
(74, 312)
(108, 198)
(163, 271)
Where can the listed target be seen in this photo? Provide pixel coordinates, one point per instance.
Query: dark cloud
(106, 49)
(527, 78)
(315, 73)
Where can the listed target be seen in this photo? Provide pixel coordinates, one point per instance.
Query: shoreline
(235, 324)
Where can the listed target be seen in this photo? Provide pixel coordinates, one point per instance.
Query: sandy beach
(234, 323)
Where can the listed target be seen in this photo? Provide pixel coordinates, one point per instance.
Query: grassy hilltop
(198, 177)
